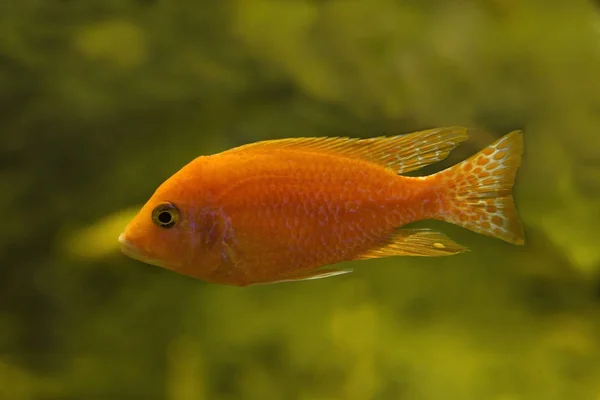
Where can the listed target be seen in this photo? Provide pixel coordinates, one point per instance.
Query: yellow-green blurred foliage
(100, 101)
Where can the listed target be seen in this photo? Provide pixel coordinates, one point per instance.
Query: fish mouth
(132, 251)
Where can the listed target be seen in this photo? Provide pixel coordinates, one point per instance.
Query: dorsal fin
(402, 153)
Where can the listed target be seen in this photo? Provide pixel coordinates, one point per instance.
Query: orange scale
(497, 220)
(493, 165)
(499, 155)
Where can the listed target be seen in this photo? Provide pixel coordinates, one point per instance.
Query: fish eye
(165, 215)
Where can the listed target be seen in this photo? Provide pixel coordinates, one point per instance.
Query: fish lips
(130, 250)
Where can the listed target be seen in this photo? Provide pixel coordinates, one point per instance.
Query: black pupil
(164, 217)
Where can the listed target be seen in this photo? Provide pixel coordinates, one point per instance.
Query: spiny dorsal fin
(415, 242)
(402, 153)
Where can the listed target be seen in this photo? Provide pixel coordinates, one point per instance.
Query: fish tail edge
(479, 190)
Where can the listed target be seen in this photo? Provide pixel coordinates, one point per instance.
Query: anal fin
(309, 275)
(415, 242)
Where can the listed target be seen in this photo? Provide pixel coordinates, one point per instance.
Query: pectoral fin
(310, 275)
(230, 253)
(415, 242)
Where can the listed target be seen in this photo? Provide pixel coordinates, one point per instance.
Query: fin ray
(480, 190)
(307, 276)
(402, 153)
(415, 242)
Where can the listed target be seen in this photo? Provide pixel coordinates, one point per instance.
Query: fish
(288, 210)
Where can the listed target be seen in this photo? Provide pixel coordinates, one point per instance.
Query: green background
(101, 101)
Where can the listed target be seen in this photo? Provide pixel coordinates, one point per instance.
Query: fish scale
(286, 210)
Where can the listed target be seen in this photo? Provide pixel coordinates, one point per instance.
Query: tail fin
(480, 190)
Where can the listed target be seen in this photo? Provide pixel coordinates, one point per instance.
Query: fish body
(281, 210)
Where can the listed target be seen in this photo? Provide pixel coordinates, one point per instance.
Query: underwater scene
(300, 199)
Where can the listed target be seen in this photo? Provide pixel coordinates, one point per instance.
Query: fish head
(179, 228)
(159, 235)
(170, 230)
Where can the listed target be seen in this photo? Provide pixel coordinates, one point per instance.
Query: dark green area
(100, 101)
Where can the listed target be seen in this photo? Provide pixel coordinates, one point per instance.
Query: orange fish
(281, 210)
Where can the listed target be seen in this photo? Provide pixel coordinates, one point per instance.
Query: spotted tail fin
(479, 190)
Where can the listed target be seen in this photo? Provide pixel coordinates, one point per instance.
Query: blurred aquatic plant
(18, 383)
(119, 42)
(101, 101)
(99, 240)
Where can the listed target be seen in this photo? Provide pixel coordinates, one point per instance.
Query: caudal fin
(479, 194)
